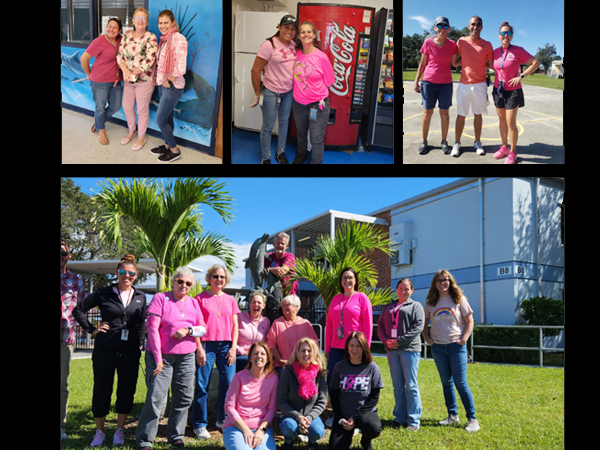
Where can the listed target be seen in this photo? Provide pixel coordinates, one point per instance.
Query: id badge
(394, 333)
(340, 332)
(124, 335)
(313, 114)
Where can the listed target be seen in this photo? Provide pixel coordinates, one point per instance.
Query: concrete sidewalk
(80, 146)
(540, 125)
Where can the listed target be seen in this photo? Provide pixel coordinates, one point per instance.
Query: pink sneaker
(119, 438)
(502, 152)
(98, 439)
(512, 158)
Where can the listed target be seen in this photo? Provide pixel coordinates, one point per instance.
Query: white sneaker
(449, 420)
(329, 422)
(201, 433)
(456, 149)
(220, 424)
(477, 146)
(98, 439)
(473, 426)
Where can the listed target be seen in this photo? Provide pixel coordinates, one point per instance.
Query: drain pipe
(481, 277)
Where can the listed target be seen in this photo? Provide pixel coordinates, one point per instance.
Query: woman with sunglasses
(436, 86)
(219, 345)
(118, 344)
(175, 325)
(508, 93)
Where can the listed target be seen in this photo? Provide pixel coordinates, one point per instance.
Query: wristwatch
(264, 429)
(522, 76)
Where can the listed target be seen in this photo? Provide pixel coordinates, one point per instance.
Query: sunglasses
(504, 33)
(126, 272)
(439, 25)
(187, 283)
(219, 277)
(63, 253)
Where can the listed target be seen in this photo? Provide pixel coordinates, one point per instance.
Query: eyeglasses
(141, 18)
(187, 283)
(504, 33)
(442, 280)
(126, 272)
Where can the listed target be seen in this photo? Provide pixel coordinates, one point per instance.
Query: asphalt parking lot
(540, 125)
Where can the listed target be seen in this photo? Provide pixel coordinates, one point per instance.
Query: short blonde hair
(316, 354)
(145, 11)
(212, 269)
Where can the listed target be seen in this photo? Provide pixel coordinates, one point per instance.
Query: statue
(274, 289)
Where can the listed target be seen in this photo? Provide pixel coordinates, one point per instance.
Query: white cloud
(425, 23)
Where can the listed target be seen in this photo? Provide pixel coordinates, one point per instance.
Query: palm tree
(168, 219)
(351, 241)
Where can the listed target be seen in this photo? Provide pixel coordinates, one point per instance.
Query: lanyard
(503, 59)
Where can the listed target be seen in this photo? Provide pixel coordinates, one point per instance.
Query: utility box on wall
(401, 234)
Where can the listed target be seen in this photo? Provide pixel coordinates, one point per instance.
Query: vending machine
(345, 34)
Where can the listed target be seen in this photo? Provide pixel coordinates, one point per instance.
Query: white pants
(471, 94)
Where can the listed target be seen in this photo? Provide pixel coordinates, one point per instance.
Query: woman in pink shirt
(252, 403)
(508, 93)
(219, 344)
(349, 311)
(313, 75)
(174, 326)
(105, 76)
(253, 328)
(287, 330)
(436, 86)
(276, 57)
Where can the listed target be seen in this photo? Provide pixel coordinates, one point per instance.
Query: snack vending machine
(345, 34)
(378, 112)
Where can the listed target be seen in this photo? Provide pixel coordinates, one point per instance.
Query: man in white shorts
(476, 54)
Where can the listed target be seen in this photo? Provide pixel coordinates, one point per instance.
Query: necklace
(177, 304)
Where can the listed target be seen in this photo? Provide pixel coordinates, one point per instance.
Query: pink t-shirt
(280, 63)
(288, 259)
(251, 331)
(313, 75)
(284, 335)
(513, 58)
(438, 68)
(173, 316)
(358, 316)
(105, 68)
(218, 314)
(253, 401)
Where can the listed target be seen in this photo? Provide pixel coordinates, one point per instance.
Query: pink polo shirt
(251, 400)
(358, 316)
(251, 331)
(218, 314)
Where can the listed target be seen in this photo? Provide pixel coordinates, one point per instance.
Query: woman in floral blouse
(170, 68)
(136, 57)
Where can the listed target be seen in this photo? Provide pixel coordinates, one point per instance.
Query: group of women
(440, 52)
(143, 62)
(297, 75)
(281, 366)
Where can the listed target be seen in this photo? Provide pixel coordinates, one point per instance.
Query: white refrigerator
(251, 30)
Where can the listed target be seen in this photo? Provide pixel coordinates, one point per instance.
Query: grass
(533, 80)
(518, 407)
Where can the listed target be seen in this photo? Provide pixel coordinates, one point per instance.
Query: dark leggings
(370, 427)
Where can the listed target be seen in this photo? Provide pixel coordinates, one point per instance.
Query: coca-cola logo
(343, 57)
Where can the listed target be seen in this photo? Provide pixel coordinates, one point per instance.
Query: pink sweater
(253, 401)
(358, 316)
(284, 335)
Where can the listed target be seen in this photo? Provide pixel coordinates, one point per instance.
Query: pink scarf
(168, 50)
(306, 378)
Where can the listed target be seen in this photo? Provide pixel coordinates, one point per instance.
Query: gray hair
(183, 272)
(293, 300)
(282, 234)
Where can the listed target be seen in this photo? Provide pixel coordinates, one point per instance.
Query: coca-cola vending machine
(345, 34)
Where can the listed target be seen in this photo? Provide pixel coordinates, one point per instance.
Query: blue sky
(536, 22)
(267, 205)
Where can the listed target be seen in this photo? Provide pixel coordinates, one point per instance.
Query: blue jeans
(451, 363)
(270, 110)
(233, 438)
(215, 350)
(164, 114)
(103, 92)
(289, 429)
(403, 369)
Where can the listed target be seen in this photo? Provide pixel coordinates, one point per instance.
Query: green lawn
(517, 408)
